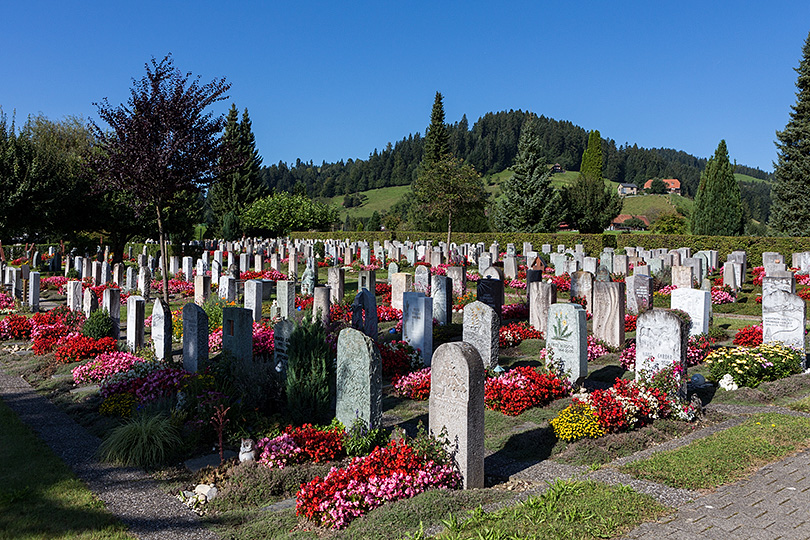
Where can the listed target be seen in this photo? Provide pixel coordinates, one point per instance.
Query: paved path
(129, 493)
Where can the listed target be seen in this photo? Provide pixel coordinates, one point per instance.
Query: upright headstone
(459, 276)
(336, 282)
(421, 279)
(621, 265)
(74, 295)
(567, 339)
(285, 294)
(490, 292)
(662, 339)
(457, 406)
(442, 293)
(162, 329)
(33, 291)
(783, 317)
(400, 284)
(321, 303)
(697, 304)
(697, 267)
(237, 334)
(281, 340)
(145, 282)
(481, 329)
(227, 288)
(639, 293)
(111, 301)
(307, 282)
(582, 287)
(484, 262)
(417, 324)
(364, 313)
(195, 337)
(683, 276)
(608, 312)
(136, 306)
(359, 379)
(542, 296)
(90, 302)
(367, 279)
(253, 298)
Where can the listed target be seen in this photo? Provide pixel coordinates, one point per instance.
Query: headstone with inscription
(162, 329)
(567, 339)
(481, 329)
(662, 338)
(697, 304)
(417, 324)
(359, 379)
(608, 312)
(195, 337)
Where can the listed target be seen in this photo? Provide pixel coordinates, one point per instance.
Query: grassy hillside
(745, 178)
(373, 199)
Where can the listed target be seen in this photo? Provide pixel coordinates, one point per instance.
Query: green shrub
(360, 440)
(310, 374)
(145, 441)
(752, 366)
(98, 325)
(213, 308)
(319, 249)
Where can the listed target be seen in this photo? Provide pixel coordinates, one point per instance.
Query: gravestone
(542, 296)
(111, 301)
(195, 337)
(567, 339)
(321, 304)
(359, 379)
(281, 341)
(292, 265)
(33, 291)
(783, 318)
(145, 282)
(336, 281)
(582, 287)
(188, 268)
(136, 306)
(73, 290)
(481, 329)
(697, 268)
(639, 293)
(417, 324)
(606, 261)
(456, 406)
(729, 276)
(442, 294)
(608, 312)
(307, 282)
(490, 292)
(421, 280)
(590, 264)
(603, 275)
(683, 276)
(162, 329)
(459, 276)
(364, 313)
(253, 298)
(237, 334)
(620, 265)
(89, 303)
(698, 304)
(510, 267)
(662, 338)
(202, 289)
(400, 284)
(227, 288)
(367, 279)
(484, 262)
(285, 294)
(393, 268)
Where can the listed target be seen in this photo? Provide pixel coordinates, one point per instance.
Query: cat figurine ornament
(247, 452)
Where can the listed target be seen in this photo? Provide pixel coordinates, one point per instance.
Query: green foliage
(658, 187)
(360, 440)
(437, 144)
(670, 224)
(319, 249)
(98, 325)
(790, 213)
(144, 441)
(230, 226)
(635, 224)
(213, 308)
(589, 206)
(281, 213)
(373, 223)
(310, 374)
(591, 167)
(528, 203)
(718, 204)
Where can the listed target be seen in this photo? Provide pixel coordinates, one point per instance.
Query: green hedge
(754, 246)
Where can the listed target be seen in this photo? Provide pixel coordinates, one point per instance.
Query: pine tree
(718, 204)
(437, 140)
(310, 374)
(790, 213)
(529, 203)
(589, 205)
(231, 193)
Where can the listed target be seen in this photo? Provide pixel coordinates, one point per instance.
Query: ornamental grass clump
(752, 366)
(575, 422)
(144, 441)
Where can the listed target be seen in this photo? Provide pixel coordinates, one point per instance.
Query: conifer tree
(529, 203)
(718, 203)
(790, 213)
(231, 193)
(589, 205)
(437, 140)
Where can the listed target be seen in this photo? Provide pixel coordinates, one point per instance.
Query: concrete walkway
(129, 493)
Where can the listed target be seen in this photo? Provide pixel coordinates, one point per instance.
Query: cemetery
(315, 385)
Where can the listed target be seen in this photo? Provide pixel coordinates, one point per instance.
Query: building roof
(672, 183)
(629, 185)
(621, 218)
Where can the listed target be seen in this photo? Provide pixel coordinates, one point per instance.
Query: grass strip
(576, 510)
(39, 495)
(726, 456)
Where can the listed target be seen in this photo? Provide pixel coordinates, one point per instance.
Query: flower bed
(513, 334)
(388, 473)
(104, 366)
(514, 311)
(415, 385)
(749, 336)
(696, 352)
(722, 296)
(626, 405)
(523, 388)
(75, 347)
(752, 366)
(147, 381)
(15, 327)
(398, 358)
(630, 322)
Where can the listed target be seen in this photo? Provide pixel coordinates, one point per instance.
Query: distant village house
(627, 189)
(673, 185)
(618, 223)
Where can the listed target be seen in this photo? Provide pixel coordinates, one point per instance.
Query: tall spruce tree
(790, 213)
(231, 193)
(437, 140)
(529, 203)
(718, 203)
(589, 205)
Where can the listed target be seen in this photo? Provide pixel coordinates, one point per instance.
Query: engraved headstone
(253, 298)
(421, 279)
(162, 329)
(364, 313)
(281, 340)
(608, 312)
(285, 294)
(195, 337)
(459, 276)
(359, 379)
(481, 329)
(136, 306)
(696, 303)
(400, 284)
(417, 324)
(639, 293)
(111, 301)
(89, 303)
(336, 281)
(567, 339)
(237, 334)
(542, 296)
(662, 338)
(321, 304)
(442, 294)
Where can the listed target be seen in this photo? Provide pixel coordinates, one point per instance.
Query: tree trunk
(164, 265)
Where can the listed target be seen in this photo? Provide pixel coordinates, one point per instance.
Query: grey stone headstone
(73, 289)
(281, 340)
(336, 281)
(285, 294)
(567, 339)
(698, 304)
(542, 296)
(621, 265)
(367, 279)
(582, 286)
(697, 267)
(253, 298)
(442, 293)
(359, 379)
(458, 275)
(237, 334)
(145, 282)
(683, 276)
(321, 304)
(364, 313)
(784, 318)
(421, 280)
(484, 262)
(481, 329)
(393, 268)
(89, 303)
(662, 338)
(307, 282)
(136, 307)
(510, 267)
(227, 288)
(162, 329)
(608, 312)
(111, 301)
(33, 291)
(131, 282)
(457, 406)
(639, 293)
(417, 324)
(195, 337)
(400, 284)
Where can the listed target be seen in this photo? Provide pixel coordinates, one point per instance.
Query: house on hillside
(618, 223)
(627, 189)
(557, 168)
(673, 185)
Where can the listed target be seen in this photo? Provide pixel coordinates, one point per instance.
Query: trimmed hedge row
(754, 246)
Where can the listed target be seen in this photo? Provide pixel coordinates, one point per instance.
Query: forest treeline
(490, 146)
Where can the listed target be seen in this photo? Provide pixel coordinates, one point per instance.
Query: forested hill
(490, 146)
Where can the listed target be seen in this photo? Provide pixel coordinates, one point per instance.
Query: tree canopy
(281, 213)
(718, 205)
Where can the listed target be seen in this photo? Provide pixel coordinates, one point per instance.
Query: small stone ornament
(247, 452)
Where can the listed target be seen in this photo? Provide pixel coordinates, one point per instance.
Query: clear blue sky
(334, 80)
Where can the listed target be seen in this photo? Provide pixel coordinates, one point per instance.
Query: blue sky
(334, 80)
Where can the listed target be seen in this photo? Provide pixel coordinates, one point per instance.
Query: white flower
(727, 382)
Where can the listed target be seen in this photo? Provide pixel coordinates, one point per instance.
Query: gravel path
(129, 493)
